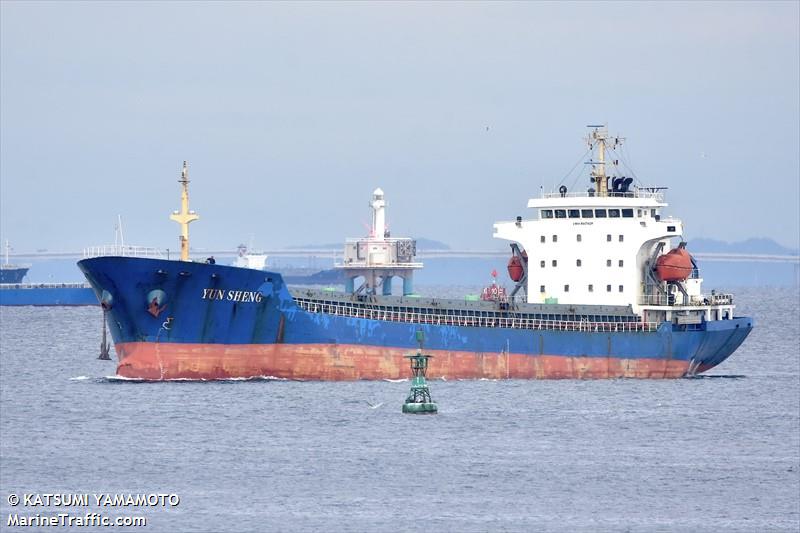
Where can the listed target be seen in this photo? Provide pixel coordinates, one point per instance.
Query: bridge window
(671, 228)
(613, 213)
(561, 213)
(600, 213)
(547, 213)
(628, 213)
(574, 213)
(587, 213)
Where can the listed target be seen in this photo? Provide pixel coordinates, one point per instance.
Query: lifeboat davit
(675, 265)
(515, 270)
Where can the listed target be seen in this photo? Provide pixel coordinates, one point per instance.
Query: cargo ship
(47, 294)
(246, 258)
(13, 291)
(310, 276)
(12, 273)
(603, 289)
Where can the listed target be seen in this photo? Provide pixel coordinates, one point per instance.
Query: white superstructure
(249, 259)
(599, 247)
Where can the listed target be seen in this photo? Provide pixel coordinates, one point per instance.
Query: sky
(291, 114)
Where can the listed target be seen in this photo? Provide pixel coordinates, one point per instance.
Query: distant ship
(14, 292)
(600, 292)
(311, 276)
(291, 275)
(12, 273)
(47, 294)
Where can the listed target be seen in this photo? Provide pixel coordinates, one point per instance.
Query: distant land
(422, 243)
(755, 245)
(448, 271)
(760, 245)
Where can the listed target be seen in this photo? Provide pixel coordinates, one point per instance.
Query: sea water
(716, 453)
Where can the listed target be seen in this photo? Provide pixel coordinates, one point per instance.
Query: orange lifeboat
(515, 270)
(675, 265)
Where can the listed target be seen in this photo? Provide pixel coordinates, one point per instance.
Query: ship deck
(491, 314)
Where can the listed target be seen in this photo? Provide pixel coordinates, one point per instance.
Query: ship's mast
(184, 216)
(599, 136)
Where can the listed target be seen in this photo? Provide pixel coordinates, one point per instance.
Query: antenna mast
(119, 238)
(599, 136)
(184, 216)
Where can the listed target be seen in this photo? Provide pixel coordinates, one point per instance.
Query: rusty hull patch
(338, 362)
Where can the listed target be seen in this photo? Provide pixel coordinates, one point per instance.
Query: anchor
(691, 372)
(105, 346)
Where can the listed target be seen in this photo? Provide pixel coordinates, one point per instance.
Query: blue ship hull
(12, 274)
(183, 320)
(47, 294)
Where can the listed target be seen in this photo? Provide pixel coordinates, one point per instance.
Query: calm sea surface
(718, 453)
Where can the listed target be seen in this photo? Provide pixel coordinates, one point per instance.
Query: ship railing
(118, 250)
(345, 309)
(721, 299)
(655, 299)
(639, 193)
(663, 300)
(76, 285)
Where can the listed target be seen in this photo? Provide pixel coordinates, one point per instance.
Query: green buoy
(419, 399)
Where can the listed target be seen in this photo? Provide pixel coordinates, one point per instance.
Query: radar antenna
(599, 137)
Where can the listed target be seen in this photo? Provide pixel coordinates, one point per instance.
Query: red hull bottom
(336, 362)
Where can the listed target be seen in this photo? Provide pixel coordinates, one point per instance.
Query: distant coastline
(476, 271)
(753, 245)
